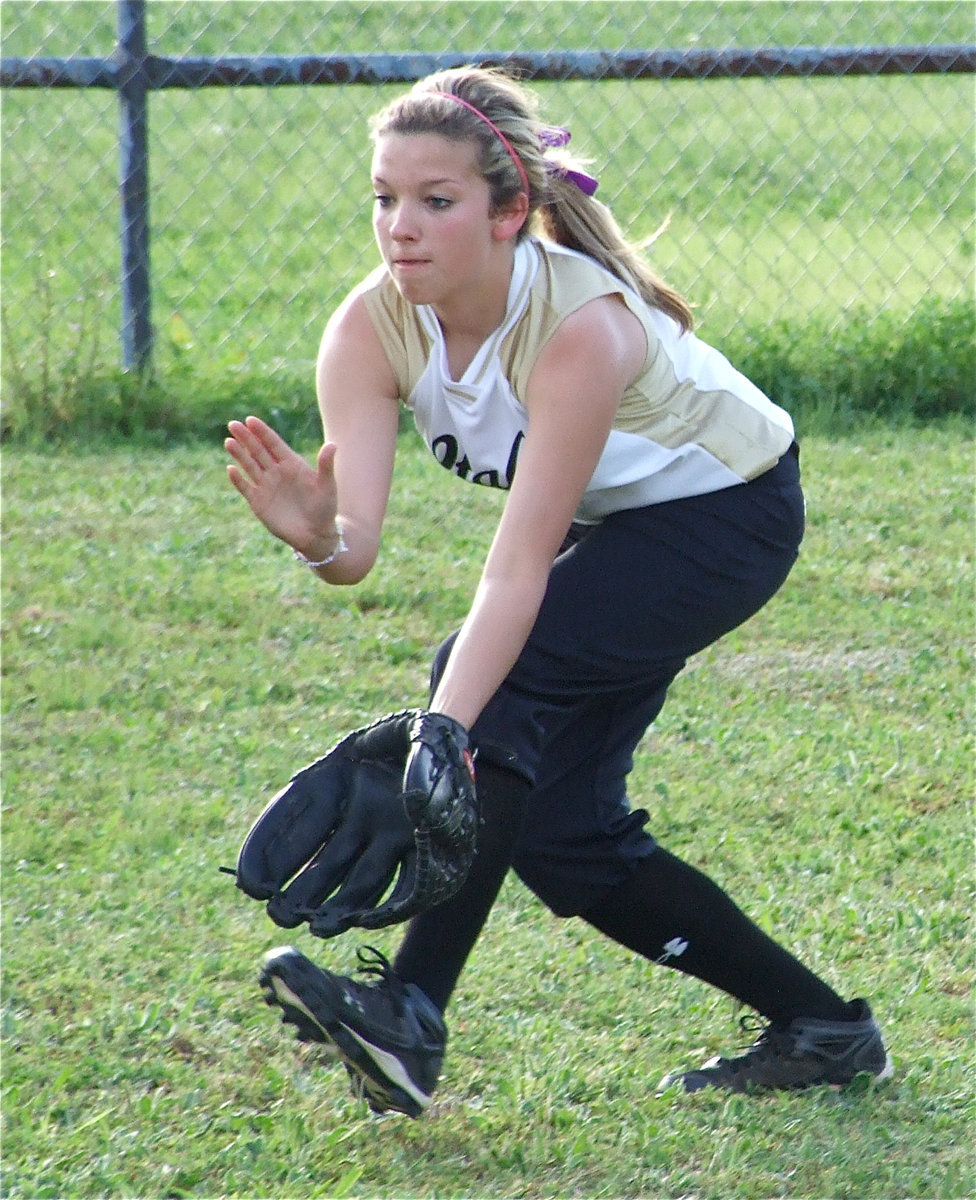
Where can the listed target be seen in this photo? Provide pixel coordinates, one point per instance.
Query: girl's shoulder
(565, 282)
(569, 279)
(397, 325)
(377, 288)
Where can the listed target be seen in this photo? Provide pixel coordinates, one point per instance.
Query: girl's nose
(402, 223)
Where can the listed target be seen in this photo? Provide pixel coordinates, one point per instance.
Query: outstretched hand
(293, 499)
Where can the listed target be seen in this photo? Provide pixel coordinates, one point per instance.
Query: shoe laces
(767, 1040)
(756, 1027)
(381, 980)
(372, 962)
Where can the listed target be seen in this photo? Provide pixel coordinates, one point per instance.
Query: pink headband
(498, 134)
(554, 136)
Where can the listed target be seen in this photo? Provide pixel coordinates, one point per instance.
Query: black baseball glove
(392, 802)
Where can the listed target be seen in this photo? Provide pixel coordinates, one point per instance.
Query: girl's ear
(507, 221)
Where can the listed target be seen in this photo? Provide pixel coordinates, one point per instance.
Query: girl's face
(433, 222)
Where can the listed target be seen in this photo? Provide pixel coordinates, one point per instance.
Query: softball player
(654, 504)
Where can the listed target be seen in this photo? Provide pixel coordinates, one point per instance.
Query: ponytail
(583, 223)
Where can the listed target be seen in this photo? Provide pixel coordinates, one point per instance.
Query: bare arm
(349, 485)
(573, 395)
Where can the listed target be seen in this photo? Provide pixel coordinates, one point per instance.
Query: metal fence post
(137, 332)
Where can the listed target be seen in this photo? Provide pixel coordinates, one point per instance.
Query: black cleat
(387, 1032)
(802, 1054)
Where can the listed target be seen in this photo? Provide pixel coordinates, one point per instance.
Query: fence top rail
(271, 70)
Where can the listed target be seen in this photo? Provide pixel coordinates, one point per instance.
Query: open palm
(293, 499)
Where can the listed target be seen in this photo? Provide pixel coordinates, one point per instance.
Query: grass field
(166, 666)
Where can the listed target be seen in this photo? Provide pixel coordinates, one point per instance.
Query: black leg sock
(437, 943)
(674, 915)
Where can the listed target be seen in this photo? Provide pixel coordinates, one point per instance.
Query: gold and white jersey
(690, 424)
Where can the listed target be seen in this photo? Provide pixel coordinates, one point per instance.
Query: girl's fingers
(254, 444)
(238, 480)
(267, 438)
(247, 461)
(325, 459)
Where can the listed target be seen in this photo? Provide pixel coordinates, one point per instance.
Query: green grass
(364, 26)
(166, 666)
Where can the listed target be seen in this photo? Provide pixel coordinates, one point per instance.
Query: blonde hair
(558, 208)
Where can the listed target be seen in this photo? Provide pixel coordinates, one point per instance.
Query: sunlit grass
(167, 666)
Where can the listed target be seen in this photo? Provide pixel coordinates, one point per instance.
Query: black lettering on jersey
(446, 450)
(513, 457)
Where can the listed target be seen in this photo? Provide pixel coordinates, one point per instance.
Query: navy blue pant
(628, 602)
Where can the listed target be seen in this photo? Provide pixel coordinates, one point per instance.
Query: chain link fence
(786, 197)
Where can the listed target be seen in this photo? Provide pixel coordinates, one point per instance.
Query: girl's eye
(439, 202)
(382, 200)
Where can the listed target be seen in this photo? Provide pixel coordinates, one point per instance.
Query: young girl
(653, 505)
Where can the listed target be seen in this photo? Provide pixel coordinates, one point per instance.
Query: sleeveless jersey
(690, 424)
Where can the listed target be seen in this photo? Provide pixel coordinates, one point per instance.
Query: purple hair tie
(554, 136)
(586, 183)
